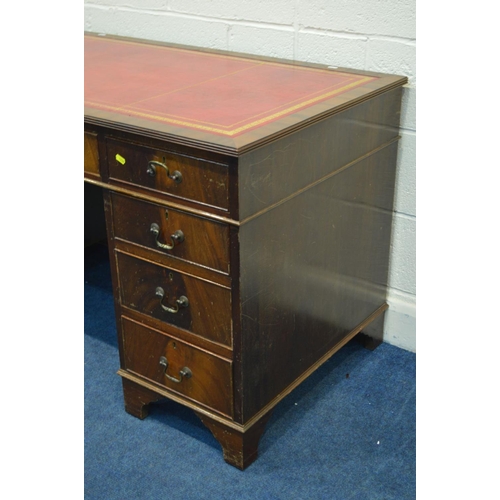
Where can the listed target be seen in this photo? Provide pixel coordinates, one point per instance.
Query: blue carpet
(348, 432)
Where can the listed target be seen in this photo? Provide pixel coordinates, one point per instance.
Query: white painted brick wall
(394, 18)
(375, 35)
(273, 41)
(334, 50)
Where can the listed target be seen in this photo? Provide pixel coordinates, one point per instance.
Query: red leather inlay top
(215, 93)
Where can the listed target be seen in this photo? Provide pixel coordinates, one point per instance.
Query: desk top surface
(197, 97)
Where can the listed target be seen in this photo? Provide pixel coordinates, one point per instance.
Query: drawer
(161, 359)
(177, 175)
(203, 242)
(183, 301)
(91, 154)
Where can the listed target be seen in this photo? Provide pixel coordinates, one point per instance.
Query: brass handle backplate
(181, 302)
(177, 237)
(183, 372)
(176, 176)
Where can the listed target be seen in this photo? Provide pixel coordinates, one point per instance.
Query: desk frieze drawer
(91, 154)
(174, 174)
(171, 232)
(182, 368)
(186, 302)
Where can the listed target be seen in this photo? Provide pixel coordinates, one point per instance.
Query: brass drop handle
(176, 176)
(177, 237)
(179, 303)
(183, 372)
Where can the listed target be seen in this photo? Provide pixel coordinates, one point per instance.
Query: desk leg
(372, 335)
(368, 342)
(240, 448)
(137, 398)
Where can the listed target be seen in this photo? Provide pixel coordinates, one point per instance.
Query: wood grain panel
(273, 172)
(311, 270)
(210, 383)
(202, 181)
(208, 313)
(91, 154)
(205, 242)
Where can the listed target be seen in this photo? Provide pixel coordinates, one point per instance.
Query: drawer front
(175, 298)
(91, 154)
(174, 174)
(203, 242)
(160, 358)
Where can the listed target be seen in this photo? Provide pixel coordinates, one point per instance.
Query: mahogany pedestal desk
(248, 208)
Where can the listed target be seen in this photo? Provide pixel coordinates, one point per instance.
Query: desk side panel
(312, 269)
(276, 171)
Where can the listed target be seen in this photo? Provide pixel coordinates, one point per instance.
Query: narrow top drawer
(174, 174)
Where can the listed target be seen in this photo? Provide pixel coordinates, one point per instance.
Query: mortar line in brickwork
(185, 15)
(404, 215)
(357, 36)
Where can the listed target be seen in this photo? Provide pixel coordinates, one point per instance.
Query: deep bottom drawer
(161, 359)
